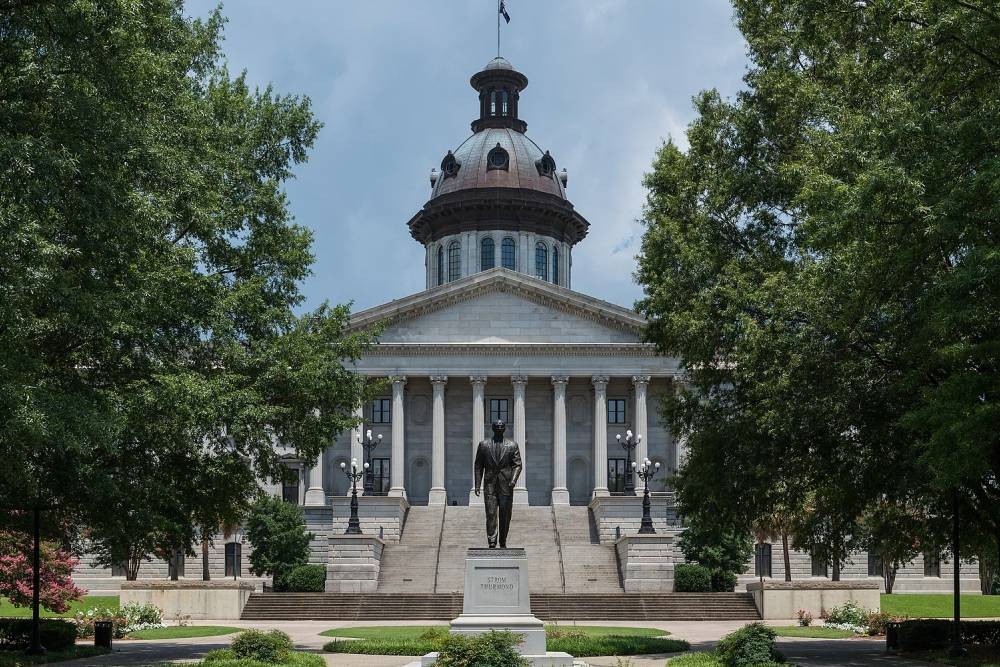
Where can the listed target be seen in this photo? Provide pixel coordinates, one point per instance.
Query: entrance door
(579, 483)
(380, 476)
(616, 476)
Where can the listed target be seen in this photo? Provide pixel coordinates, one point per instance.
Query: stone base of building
(783, 599)
(646, 563)
(617, 516)
(355, 563)
(197, 600)
(381, 516)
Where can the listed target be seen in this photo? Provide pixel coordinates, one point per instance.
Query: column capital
(599, 381)
(439, 380)
(477, 379)
(560, 380)
(519, 380)
(397, 380)
(641, 379)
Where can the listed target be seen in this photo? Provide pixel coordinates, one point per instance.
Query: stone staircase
(409, 566)
(589, 567)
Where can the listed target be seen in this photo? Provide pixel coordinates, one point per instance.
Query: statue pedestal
(497, 598)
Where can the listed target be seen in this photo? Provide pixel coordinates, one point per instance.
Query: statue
(498, 465)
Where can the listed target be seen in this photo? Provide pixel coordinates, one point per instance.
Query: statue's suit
(498, 465)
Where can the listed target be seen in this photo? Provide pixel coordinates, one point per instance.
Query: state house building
(499, 332)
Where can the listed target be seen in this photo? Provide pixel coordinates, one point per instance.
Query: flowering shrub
(850, 627)
(849, 613)
(128, 618)
(805, 618)
(57, 589)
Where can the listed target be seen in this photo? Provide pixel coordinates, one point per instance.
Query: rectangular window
(819, 568)
(616, 476)
(616, 410)
(176, 564)
(380, 476)
(290, 486)
(234, 559)
(762, 560)
(875, 568)
(932, 565)
(381, 411)
(499, 409)
(117, 570)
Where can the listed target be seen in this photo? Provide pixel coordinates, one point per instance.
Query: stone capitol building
(499, 333)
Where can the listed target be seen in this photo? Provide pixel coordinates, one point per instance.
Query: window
(486, 254)
(381, 411)
(818, 566)
(454, 261)
(555, 265)
(762, 560)
(290, 486)
(440, 271)
(616, 476)
(175, 564)
(875, 568)
(499, 409)
(234, 559)
(932, 565)
(497, 158)
(117, 570)
(503, 103)
(541, 261)
(616, 411)
(380, 473)
(493, 103)
(507, 253)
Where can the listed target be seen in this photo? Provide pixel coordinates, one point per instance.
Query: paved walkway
(702, 636)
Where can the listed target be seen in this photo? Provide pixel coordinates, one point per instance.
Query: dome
(499, 63)
(519, 163)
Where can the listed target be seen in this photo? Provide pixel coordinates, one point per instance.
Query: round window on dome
(449, 165)
(497, 158)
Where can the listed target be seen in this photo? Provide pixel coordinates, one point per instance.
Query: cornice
(512, 350)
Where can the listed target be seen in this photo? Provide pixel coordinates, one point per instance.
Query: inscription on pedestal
(498, 586)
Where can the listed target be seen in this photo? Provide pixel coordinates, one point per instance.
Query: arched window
(440, 272)
(493, 103)
(507, 253)
(555, 265)
(541, 261)
(503, 103)
(454, 261)
(487, 259)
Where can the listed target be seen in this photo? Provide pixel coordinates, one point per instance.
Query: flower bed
(125, 619)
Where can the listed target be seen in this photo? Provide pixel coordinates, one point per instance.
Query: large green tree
(150, 347)
(824, 259)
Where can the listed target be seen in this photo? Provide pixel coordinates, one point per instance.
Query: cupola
(499, 85)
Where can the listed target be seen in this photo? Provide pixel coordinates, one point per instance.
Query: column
(357, 451)
(680, 443)
(315, 495)
(520, 382)
(438, 495)
(600, 383)
(560, 494)
(478, 428)
(641, 385)
(396, 475)
(497, 251)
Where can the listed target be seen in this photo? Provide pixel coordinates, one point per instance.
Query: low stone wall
(355, 563)
(381, 516)
(646, 563)
(783, 599)
(198, 600)
(617, 516)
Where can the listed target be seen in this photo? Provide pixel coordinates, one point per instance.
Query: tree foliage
(57, 589)
(277, 532)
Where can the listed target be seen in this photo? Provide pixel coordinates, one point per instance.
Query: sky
(609, 81)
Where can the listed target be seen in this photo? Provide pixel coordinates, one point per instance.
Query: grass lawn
(8, 610)
(225, 658)
(939, 605)
(17, 659)
(184, 632)
(708, 659)
(813, 631)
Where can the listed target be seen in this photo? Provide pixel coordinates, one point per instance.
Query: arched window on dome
(555, 265)
(503, 103)
(487, 258)
(541, 261)
(440, 267)
(454, 261)
(493, 103)
(507, 253)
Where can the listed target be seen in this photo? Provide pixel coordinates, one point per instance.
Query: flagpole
(498, 27)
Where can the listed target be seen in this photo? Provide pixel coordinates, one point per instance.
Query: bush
(750, 646)
(585, 646)
(55, 634)
(128, 618)
(691, 578)
(876, 621)
(931, 634)
(849, 613)
(226, 658)
(273, 646)
(805, 618)
(492, 649)
(304, 579)
(723, 582)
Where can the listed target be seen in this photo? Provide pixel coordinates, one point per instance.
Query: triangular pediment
(501, 306)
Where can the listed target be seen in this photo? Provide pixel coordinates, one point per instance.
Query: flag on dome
(503, 11)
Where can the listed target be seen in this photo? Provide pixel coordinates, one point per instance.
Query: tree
(150, 276)
(277, 532)
(722, 549)
(57, 589)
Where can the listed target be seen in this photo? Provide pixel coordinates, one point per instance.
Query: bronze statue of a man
(498, 465)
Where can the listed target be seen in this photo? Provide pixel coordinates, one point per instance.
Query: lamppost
(629, 444)
(369, 444)
(646, 472)
(354, 524)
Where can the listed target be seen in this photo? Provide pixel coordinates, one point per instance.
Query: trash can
(892, 636)
(102, 634)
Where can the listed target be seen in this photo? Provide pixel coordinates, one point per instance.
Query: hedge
(305, 579)
(931, 634)
(55, 634)
(691, 578)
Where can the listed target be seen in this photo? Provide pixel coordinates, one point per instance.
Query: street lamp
(646, 472)
(354, 524)
(629, 444)
(369, 444)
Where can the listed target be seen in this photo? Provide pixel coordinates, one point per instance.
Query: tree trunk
(132, 568)
(174, 569)
(205, 574)
(889, 575)
(836, 570)
(787, 555)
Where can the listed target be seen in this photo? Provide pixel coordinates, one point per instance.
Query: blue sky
(608, 81)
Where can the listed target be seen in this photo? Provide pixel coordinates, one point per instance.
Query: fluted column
(396, 476)
(681, 443)
(438, 495)
(357, 451)
(478, 425)
(315, 496)
(600, 383)
(641, 385)
(520, 382)
(560, 493)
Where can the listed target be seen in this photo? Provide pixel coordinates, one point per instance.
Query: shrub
(128, 618)
(493, 648)
(585, 646)
(930, 634)
(691, 578)
(226, 658)
(805, 618)
(750, 646)
(277, 531)
(849, 613)
(876, 621)
(305, 579)
(723, 582)
(273, 646)
(56, 634)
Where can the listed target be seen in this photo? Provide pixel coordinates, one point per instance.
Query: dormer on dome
(499, 86)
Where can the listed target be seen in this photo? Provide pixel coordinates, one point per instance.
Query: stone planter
(198, 600)
(783, 599)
